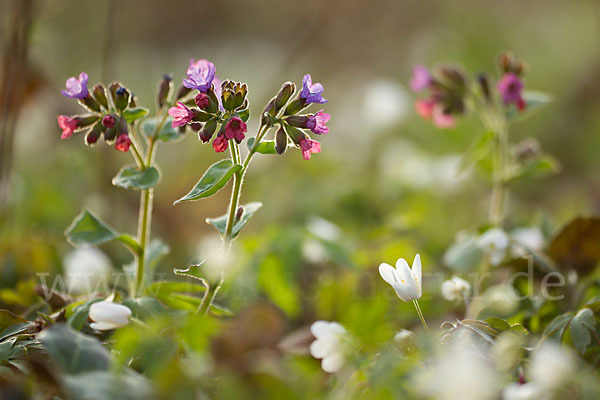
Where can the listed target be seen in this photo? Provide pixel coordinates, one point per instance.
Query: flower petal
(387, 273)
(416, 268)
(333, 363)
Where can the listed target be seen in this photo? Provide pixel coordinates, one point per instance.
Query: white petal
(416, 267)
(103, 326)
(110, 313)
(407, 288)
(319, 329)
(387, 273)
(321, 348)
(332, 363)
(402, 291)
(449, 290)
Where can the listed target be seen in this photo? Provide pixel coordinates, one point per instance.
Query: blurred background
(386, 184)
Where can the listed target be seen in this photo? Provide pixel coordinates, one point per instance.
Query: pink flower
(316, 123)
(123, 142)
(309, 146)
(181, 115)
(220, 144)
(424, 107)
(202, 100)
(68, 125)
(511, 88)
(421, 78)
(108, 121)
(235, 128)
(441, 119)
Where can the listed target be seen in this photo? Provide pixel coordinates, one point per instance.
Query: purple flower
(76, 88)
(200, 75)
(421, 78)
(316, 123)
(312, 92)
(511, 88)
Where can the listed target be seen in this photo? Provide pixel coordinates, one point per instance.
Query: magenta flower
(202, 100)
(123, 142)
(68, 125)
(424, 107)
(421, 78)
(220, 144)
(181, 115)
(429, 109)
(200, 75)
(235, 128)
(76, 88)
(108, 121)
(312, 93)
(309, 146)
(316, 123)
(511, 88)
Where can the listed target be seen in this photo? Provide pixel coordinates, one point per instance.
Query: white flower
(455, 289)
(461, 372)
(501, 299)
(86, 268)
(526, 240)
(107, 316)
(329, 345)
(403, 335)
(517, 391)
(494, 243)
(551, 366)
(406, 282)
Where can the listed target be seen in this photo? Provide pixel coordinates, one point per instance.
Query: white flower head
(518, 391)
(329, 345)
(525, 240)
(455, 289)
(107, 315)
(551, 366)
(406, 282)
(402, 336)
(86, 268)
(494, 243)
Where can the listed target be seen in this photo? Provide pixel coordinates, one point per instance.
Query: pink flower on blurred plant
(200, 75)
(511, 88)
(220, 144)
(428, 108)
(68, 125)
(235, 128)
(181, 115)
(316, 123)
(309, 146)
(312, 92)
(108, 121)
(424, 107)
(421, 78)
(123, 142)
(202, 100)
(76, 88)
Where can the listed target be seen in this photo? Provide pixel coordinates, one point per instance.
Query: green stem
(499, 191)
(136, 154)
(143, 233)
(416, 303)
(209, 296)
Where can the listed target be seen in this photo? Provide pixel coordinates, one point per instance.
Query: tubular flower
(511, 90)
(76, 88)
(316, 123)
(235, 129)
(312, 92)
(309, 146)
(68, 125)
(181, 114)
(200, 75)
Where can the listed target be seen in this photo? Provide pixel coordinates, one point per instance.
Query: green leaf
(581, 325)
(134, 114)
(220, 223)
(87, 229)
(130, 177)
(14, 330)
(72, 351)
(479, 149)
(214, 179)
(556, 327)
(170, 293)
(144, 307)
(534, 101)
(264, 147)
(575, 247)
(155, 252)
(540, 167)
(108, 385)
(7, 319)
(167, 133)
(80, 314)
(193, 271)
(244, 114)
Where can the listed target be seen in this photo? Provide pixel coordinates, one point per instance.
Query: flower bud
(238, 213)
(90, 104)
(92, 136)
(208, 131)
(202, 100)
(285, 93)
(213, 105)
(108, 121)
(484, 85)
(164, 89)
(296, 106)
(182, 92)
(295, 134)
(201, 116)
(110, 134)
(84, 121)
(299, 121)
(123, 142)
(99, 93)
(120, 95)
(228, 99)
(270, 107)
(527, 149)
(196, 126)
(280, 141)
(241, 90)
(107, 316)
(132, 101)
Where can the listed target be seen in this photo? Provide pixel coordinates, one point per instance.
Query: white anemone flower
(526, 240)
(524, 391)
(329, 345)
(86, 269)
(406, 282)
(107, 316)
(494, 242)
(551, 366)
(455, 289)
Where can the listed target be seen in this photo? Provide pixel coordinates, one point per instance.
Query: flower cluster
(510, 86)
(107, 114)
(222, 108)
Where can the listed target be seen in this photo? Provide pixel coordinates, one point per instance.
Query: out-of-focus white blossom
(494, 242)
(323, 229)
(314, 252)
(217, 260)
(329, 345)
(501, 299)
(384, 103)
(106, 316)
(455, 289)
(524, 391)
(403, 335)
(551, 366)
(86, 269)
(525, 240)
(406, 282)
